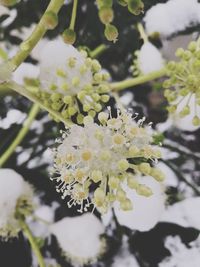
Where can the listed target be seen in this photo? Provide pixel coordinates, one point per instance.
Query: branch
(118, 86)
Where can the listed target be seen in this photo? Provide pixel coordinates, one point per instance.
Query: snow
(25, 70)
(146, 211)
(185, 213)
(185, 124)
(13, 116)
(182, 256)
(12, 187)
(150, 58)
(171, 17)
(79, 237)
(124, 257)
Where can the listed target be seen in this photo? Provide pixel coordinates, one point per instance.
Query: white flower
(107, 155)
(146, 212)
(181, 256)
(13, 189)
(149, 58)
(70, 78)
(172, 16)
(79, 238)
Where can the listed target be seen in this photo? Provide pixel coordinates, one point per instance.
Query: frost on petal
(173, 16)
(12, 189)
(79, 237)
(149, 59)
(146, 212)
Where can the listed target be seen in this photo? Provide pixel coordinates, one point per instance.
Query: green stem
(39, 31)
(142, 32)
(118, 86)
(98, 51)
(22, 133)
(32, 242)
(73, 18)
(23, 91)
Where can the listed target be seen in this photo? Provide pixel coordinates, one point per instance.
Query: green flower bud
(179, 52)
(50, 20)
(185, 111)
(135, 6)
(196, 121)
(126, 205)
(145, 168)
(69, 36)
(113, 182)
(157, 174)
(122, 2)
(192, 46)
(111, 33)
(123, 164)
(144, 190)
(106, 15)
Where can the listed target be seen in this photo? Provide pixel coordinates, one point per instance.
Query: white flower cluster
(107, 156)
(71, 82)
(15, 195)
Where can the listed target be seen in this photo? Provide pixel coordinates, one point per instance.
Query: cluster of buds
(182, 87)
(106, 156)
(106, 14)
(72, 83)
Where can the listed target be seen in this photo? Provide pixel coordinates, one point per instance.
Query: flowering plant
(112, 131)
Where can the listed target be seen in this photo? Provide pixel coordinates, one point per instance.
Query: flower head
(182, 87)
(105, 155)
(15, 199)
(71, 82)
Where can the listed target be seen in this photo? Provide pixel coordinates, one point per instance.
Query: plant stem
(39, 31)
(22, 133)
(32, 242)
(98, 51)
(23, 91)
(73, 17)
(118, 86)
(142, 32)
